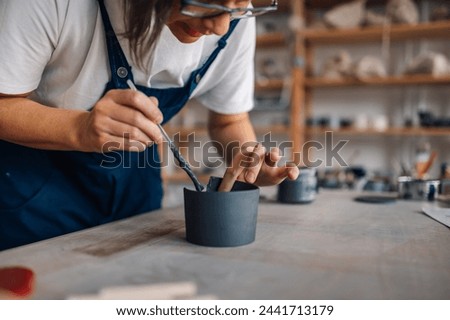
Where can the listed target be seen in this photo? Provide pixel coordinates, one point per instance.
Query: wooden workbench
(334, 248)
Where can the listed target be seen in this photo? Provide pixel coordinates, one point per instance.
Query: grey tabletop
(333, 248)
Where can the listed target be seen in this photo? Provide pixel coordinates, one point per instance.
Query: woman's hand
(121, 120)
(254, 165)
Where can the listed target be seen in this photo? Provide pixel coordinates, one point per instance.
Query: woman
(65, 107)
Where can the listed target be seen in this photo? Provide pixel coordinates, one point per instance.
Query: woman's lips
(192, 32)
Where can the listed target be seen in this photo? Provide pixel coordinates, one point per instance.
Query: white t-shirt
(57, 49)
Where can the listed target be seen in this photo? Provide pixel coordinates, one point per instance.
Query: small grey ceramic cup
(221, 219)
(301, 190)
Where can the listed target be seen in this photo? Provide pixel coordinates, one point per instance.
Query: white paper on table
(161, 291)
(441, 215)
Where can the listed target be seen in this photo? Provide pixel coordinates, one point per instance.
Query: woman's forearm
(231, 132)
(25, 122)
(120, 120)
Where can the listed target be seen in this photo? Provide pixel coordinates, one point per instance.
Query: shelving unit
(274, 41)
(305, 83)
(311, 83)
(413, 132)
(271, 40)
(356, 35)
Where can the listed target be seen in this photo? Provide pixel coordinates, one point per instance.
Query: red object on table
(18, 281)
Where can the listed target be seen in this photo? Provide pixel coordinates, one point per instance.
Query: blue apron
(45, 193)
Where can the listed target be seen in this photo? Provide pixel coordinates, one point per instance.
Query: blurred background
(374, 73)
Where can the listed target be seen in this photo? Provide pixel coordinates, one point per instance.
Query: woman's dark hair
(144, 21)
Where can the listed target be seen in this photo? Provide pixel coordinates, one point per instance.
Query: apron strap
(117, 61)
(222, 43)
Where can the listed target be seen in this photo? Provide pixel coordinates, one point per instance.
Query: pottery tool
(176, 153)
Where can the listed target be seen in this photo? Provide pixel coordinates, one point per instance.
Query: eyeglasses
(207, 9)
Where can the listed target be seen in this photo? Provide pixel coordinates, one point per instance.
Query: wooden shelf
(440, 29)
(272, 84)
(387, 81)
(201, 130)
(269, 40)
(388, 132)
(327, 4)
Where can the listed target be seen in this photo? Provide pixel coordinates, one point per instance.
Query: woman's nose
(218, 25)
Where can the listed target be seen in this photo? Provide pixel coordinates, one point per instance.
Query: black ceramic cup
(221, 219)
(301, 190)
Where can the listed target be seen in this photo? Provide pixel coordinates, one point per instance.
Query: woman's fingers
(292, 171)
(252, 164)
(135, 125)
(274, 175)
(272, 157)
(125, 120)
(130, 138)
(119, 143)
(148, 106)
(229, 178)
(255, 166)
(246, 164)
